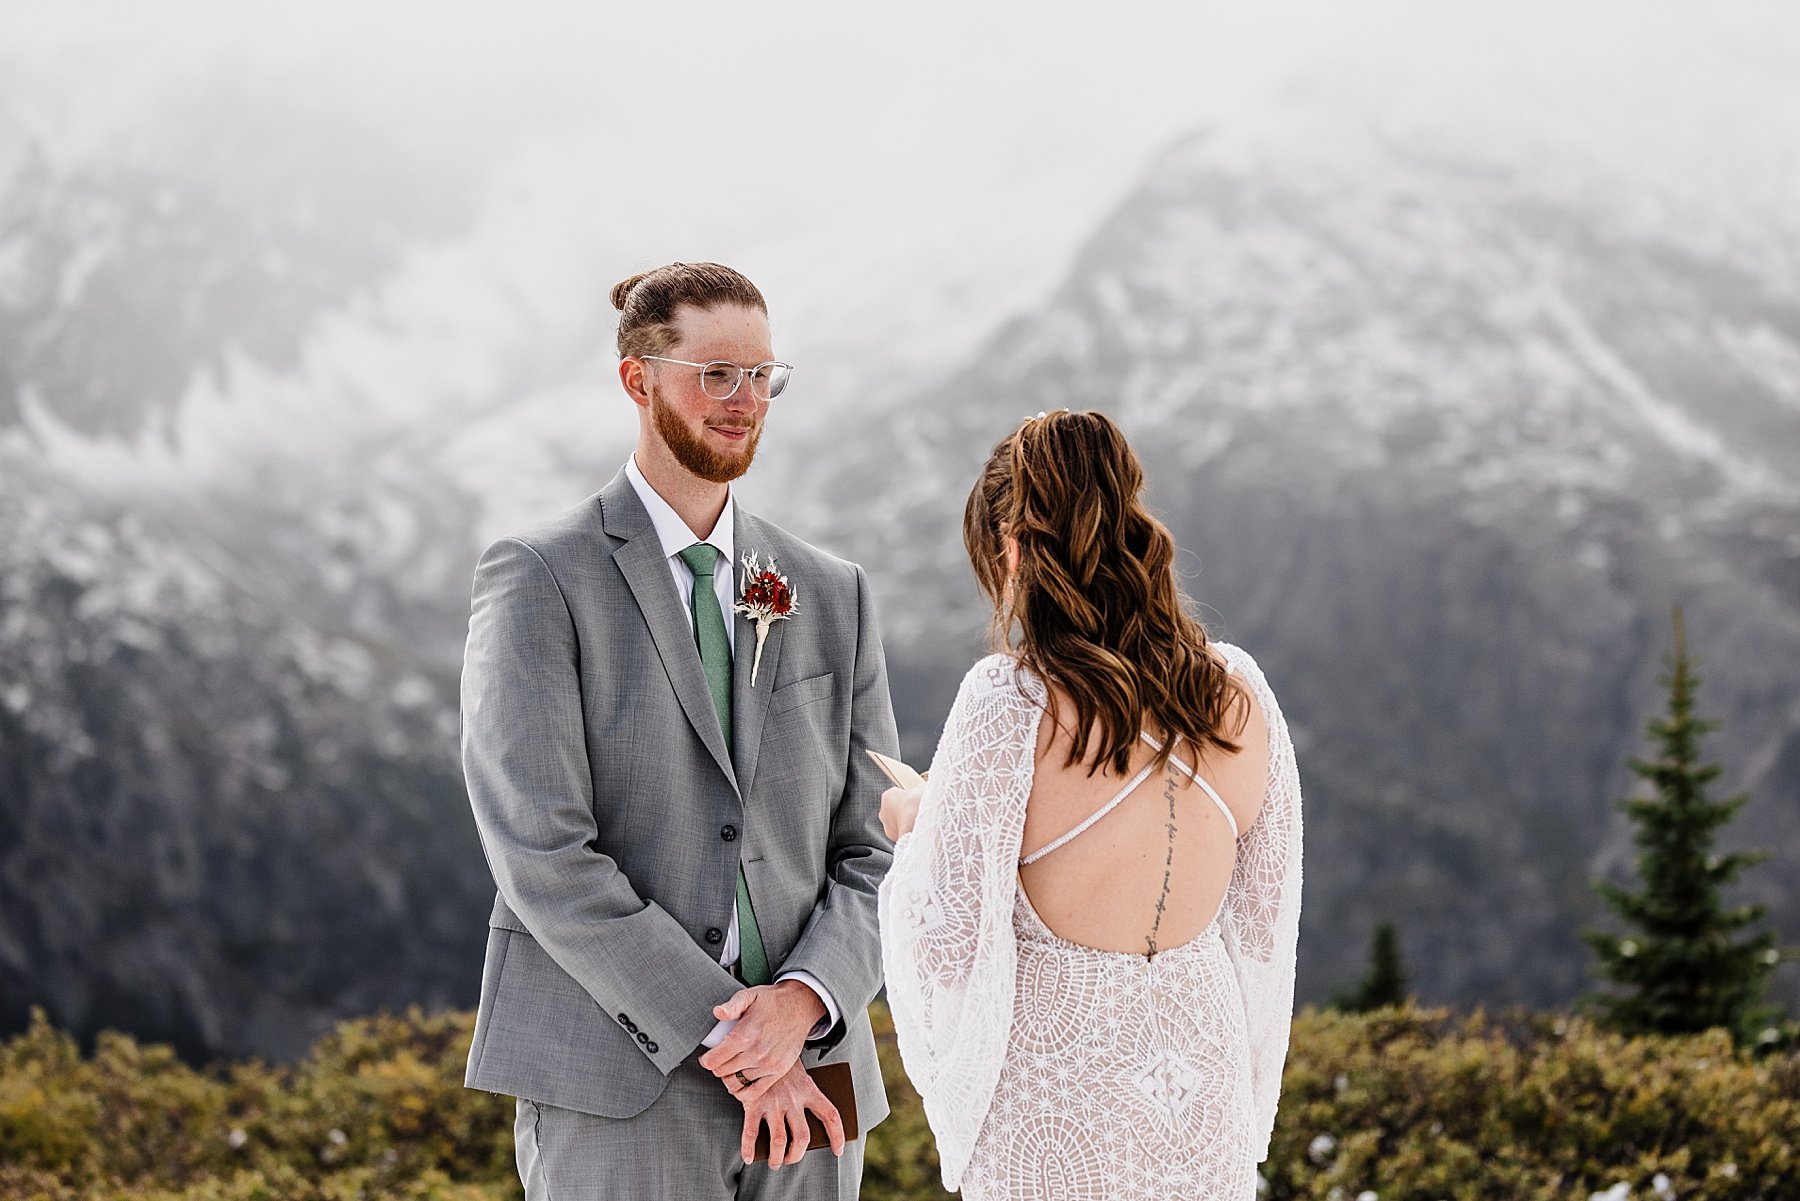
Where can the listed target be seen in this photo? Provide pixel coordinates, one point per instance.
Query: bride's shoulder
(1237, 659)
(1001, 676)
(1241, 664)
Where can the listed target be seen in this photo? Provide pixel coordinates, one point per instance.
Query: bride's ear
(1012, 555)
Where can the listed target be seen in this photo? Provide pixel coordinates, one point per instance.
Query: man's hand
(899, 810)
(783, 1105)
(773, 1021)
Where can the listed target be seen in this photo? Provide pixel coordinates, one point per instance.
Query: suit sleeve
(524, 751)
(840, 946)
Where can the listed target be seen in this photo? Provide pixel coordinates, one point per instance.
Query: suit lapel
(646, 571)
(750, 703)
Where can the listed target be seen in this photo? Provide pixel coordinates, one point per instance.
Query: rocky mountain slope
(1442, 441)
(252, 439)
(221, 822)
(1442, 449)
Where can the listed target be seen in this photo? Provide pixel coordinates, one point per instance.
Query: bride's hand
(899, 810)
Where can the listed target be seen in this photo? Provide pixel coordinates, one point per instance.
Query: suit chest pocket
(801, 692)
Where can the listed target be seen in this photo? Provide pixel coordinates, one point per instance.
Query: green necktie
(715, 660)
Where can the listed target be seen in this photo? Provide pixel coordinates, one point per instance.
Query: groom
(674, 800)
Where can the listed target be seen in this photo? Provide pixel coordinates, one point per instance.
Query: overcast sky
(898, 179)
(828, 108)
(823, 146)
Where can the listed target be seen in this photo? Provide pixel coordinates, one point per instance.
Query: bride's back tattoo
(1162, 902)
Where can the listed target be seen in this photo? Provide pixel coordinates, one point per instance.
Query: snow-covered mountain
(252, 440)
(1443, 445)
(1443, 428)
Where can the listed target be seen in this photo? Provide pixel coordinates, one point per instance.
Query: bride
(1090, 923)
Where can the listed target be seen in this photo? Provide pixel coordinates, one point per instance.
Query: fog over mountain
(1443, 449)
(1452, 374)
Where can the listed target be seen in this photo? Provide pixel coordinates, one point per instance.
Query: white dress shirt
(676, 537)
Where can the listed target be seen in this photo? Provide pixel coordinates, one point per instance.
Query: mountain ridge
(1441, 443)
(1416, 484)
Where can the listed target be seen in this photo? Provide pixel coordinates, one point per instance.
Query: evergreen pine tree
(1387, 977)
(1688, 962)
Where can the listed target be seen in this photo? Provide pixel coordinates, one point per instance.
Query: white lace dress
(1051, 1070)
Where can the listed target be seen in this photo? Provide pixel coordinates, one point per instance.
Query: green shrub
(377, 1110)
(1410, 1104)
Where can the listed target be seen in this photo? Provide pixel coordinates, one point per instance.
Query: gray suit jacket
(614, 819)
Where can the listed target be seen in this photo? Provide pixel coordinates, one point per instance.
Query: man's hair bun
(623, 288)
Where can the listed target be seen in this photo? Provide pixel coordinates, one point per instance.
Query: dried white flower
(1321, 1148)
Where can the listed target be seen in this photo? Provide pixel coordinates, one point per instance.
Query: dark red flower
(766, 595)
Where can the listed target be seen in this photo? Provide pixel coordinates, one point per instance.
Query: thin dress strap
(1093, 817)
(1200, 780)
(1120, 796)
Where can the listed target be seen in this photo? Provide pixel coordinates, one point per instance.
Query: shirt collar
(671, 530)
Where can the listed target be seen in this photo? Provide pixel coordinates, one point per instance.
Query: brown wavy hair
(647, 302)
(1094, 596)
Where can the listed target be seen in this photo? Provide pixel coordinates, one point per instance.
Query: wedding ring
(743, 1079)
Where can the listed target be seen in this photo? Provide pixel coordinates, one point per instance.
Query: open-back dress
(1054, 1070)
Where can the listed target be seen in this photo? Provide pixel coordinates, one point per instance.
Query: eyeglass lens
(719, 380)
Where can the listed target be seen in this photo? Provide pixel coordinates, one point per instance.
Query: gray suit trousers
(685, 1147)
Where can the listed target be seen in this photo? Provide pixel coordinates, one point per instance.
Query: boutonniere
(766, 599)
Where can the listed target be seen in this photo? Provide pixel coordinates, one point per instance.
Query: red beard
(694, 454)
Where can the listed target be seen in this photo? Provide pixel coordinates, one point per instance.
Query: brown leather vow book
(832, 1079)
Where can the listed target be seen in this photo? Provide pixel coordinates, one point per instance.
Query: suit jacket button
(623, 1020)
(714, 934)
(643, 1038)
(650, 1047)
(631, 1026)
(729, 833)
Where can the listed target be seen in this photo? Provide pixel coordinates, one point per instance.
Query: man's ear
(634, 375)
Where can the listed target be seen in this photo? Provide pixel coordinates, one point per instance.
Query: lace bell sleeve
(1261, 915)
(946, 906)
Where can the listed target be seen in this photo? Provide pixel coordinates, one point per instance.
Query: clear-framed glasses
(720, 380)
